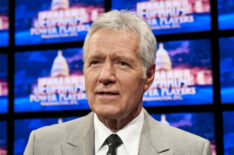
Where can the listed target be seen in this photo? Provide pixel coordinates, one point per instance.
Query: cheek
(89, 88)
(138, 88)
(132, 88)
(132, 81)
(90, 79)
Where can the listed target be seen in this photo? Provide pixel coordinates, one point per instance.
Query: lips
(107, 93)
(107, 96)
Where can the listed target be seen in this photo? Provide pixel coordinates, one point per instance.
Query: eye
(94, 62)
(123, 63)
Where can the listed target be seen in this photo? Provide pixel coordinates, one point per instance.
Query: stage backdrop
(183, 74)
(47, 21)
(3, 138)
(226, 14)
(170, 16)
(227, 69)
(4, 23)
(228, 132)
(49, 80)
(3, 83)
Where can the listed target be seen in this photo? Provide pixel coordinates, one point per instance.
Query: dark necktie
(113, 141)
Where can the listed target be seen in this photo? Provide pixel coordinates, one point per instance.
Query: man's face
(113, 74)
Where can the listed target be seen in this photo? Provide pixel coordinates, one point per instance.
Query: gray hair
(125, 20)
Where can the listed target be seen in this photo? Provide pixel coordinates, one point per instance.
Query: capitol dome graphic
(163, 61)
(59, 4)
(60, 66)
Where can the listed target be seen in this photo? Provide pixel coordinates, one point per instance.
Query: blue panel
(183, 74)
(3, 138)
(24, 127)
(170, 16)
(47, 81)
(228, 130)
(4, 23)
(43, 21)
(226, 14)
(227, 69)
(3, 83)
(201, 124)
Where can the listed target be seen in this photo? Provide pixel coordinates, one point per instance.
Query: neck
(116, 124)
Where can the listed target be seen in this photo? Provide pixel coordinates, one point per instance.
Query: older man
(119, 54)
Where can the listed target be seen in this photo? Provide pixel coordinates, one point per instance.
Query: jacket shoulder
(179, 140)
(59, 132)
(50, 139)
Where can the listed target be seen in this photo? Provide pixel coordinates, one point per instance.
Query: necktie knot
(113, 142)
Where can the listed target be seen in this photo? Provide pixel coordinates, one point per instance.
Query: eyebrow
(116, 57)
(95, 57)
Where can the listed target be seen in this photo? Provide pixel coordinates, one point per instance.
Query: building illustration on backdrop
(4, 23)
(64, 20)
(162, 14)
(60, 88)
(175, 82)
(3, 151)
(3, 88)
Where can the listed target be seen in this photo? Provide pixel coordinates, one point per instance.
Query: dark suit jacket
(77, 138)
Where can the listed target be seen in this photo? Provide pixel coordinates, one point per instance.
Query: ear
(149, 76)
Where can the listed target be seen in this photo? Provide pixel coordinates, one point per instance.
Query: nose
(107, 74)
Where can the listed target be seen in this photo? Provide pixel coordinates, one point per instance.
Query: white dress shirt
(130, 136)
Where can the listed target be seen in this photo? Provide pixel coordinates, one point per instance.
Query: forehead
(122, 40)
(105, 31)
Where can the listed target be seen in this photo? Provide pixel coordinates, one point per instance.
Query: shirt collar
(130, 134)
(101, 133)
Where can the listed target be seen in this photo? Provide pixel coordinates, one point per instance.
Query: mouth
(107, 93)
(107, 96)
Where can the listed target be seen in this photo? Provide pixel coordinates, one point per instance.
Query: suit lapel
(81, 138)
(153, 139)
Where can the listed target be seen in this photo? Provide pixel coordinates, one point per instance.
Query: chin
(109, 113)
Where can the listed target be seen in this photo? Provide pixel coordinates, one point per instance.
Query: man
(119, 54)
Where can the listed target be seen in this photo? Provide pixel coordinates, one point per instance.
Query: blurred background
(41, 66)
